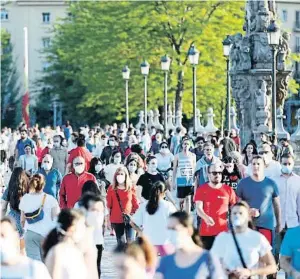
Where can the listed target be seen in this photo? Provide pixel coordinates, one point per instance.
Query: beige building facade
(39, 17)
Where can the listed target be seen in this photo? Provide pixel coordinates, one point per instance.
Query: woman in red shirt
(121, 191)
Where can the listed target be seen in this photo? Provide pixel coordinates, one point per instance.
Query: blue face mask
(286, 169)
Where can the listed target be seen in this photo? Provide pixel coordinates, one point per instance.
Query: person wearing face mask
(110, 169)
(289, 194)
(256, 252)
(213, 200)
(248, 153)
(183, 174)
(132, 140)
(285, 147)
(59, 155)
(63, 257)
(37, 229)
(28, 161)
(164, 157)
(155, 147)
(52, 176)
(81, 151)
(72, 141)
(13, 263)
(97, 169)
(121, 199)
(48, 147)
(272, 167)
(199, 148)
(133, 167)
(190, 260)
(71, 185)
(100, 146)
(108, 150)
(262, 195)
(95, 212)
(231, 174)
(156, 211)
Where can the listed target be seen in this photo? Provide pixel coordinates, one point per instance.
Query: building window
(297, 19)
(4, 14)
(284, 15)
(46, 17)
(46, 42)
(298, 44)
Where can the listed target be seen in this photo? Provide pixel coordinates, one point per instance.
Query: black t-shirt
(147, 181)
(231, 179)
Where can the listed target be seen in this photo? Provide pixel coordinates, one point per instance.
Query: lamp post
(126, 75)
(226, 51)
(193, 55)
(273, 38)
(165, 66)
(145, 71)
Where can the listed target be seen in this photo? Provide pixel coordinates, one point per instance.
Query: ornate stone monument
(281, 132)
(150, 119)
(251, 70)
(157, 125)
(141, 120)
(199, 127)
(233, 120)
(210, 126)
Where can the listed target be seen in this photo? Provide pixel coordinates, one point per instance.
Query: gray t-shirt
(60, 156)
(260, 195)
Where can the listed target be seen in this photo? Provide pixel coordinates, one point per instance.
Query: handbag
(37, 215)
(126, 218)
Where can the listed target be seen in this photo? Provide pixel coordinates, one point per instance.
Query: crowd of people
(179, 206)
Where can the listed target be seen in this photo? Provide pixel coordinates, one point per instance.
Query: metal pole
(274, 91)
(126, 103)
(166, 103)
(54, 113)
(228, 96)
(194, 98)
(145, 102)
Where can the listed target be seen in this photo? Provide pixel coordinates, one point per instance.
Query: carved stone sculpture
(281, 132)
(210, 126)
(141, 120)
(157, 125)
(150, 119)
(261, 105)
(262, 20)
(170, 125)
(283, 51)
(199, 127)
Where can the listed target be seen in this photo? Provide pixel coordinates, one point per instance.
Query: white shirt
(271, 171)
(26, 269)
(155, 226)
(110, 170)
(32, 202)
(164, 162)
(253, 246)
(28, 162)
(289, 195)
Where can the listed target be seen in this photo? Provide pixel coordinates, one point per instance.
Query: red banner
(25, 109)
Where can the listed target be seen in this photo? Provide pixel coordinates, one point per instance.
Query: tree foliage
(91, 46)
(9, 83)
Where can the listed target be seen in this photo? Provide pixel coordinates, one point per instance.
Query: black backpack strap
(119, 201)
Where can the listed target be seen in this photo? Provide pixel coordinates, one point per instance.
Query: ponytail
(152, 205)
(37, 183)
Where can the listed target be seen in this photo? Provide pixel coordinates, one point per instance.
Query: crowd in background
(185, 205)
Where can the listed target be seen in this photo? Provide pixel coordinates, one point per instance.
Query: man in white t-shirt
(272, 167)
(13, 264)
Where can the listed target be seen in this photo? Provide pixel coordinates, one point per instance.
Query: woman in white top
(153, 216)
(37, 229)
(164, 157)
(63, 258)
(13, 263)
(111, 168)
(255, 249)
(28, 161)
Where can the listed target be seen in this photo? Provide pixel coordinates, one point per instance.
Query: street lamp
(126, 75)
(165, 66)
(273, 38)
(145, 71)
(226, 51)
(193, 54)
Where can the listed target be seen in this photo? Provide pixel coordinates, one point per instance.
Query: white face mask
(152, 168)
(50, 145)
(8, 251)
(111, 143)
(103, 141)
(94, 219)
(117, 160)
(238, 221)
(165, 151)
(47, 166)
(121, 179)
(79, 169)
(178, 239)
(98, 168)
(132, 169)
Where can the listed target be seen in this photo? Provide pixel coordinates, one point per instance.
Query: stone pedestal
(199, 127)
(141, 120)
(233, 120)
(281, 132)
(157, 125)
(210, 126)
(295, 140)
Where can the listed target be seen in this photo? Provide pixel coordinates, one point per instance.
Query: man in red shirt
(213, 200)
(81, 151)
(71, 185)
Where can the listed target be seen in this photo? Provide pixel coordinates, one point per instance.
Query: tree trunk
(179, 91)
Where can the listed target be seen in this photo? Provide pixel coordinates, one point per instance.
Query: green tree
(9, 83)
(91, 46)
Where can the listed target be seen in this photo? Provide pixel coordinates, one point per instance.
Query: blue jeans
(124, 233)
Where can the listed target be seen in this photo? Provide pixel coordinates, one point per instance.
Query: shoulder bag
(126, 217)
(37, 215)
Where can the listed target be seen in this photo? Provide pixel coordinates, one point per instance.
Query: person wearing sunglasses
(213, 200)
(164, 157)
(272, 168)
